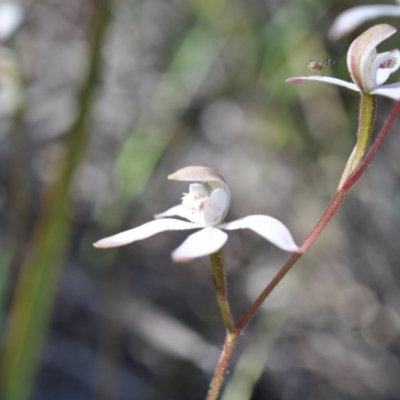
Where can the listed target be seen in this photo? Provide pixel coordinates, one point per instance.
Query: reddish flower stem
(334, 204)
(326, 217)
(222, 366)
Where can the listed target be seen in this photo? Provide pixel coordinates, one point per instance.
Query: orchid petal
(144, 231)
(267, 227)
(216, 206)
(10, 18)
(392, 91)
(202, 243)
(384, 65)
(352, 18)
(181, 211)
(326, 79)
(171, 212)
(382, 76)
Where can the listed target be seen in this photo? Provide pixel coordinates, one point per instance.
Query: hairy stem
(374, 148)
(219, 278)
(364, 132)
(222, 367)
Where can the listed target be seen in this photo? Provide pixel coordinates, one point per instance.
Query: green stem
(365, 125)
(33, 298)
(374, 148)
(364, 133)
(219, 278)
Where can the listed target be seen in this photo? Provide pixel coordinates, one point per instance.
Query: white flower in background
(205, 207)
(11, 15)
(368, 69)
(350, 19)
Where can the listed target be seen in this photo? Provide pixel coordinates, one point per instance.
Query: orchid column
(368, 70)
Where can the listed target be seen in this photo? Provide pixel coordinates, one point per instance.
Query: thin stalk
(365, 126)
(32, 302)
(364, 133)
(374, 148)
(324, 220)
(222, 367)
(334, 204)
(219, 278)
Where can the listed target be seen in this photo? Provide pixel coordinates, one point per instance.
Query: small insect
(316, 67)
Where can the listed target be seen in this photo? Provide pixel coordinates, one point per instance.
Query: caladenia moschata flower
(204, 207)
(368, 69)
(350, 19)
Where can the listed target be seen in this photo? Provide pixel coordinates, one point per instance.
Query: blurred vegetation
(99, 102)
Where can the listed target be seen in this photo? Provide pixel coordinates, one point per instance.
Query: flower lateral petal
(199, 244)
(181, 211)
(143, 232)
(326, 79)
(268, 227)
(392, 91)
(216, 206)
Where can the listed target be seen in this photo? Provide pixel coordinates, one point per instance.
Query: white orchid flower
(350, 19)
(205, 207)
(368, 69)
(11, 15)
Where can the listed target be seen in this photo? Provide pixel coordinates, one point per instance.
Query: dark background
(200, 82)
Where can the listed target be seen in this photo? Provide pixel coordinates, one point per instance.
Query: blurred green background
(99, 101)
